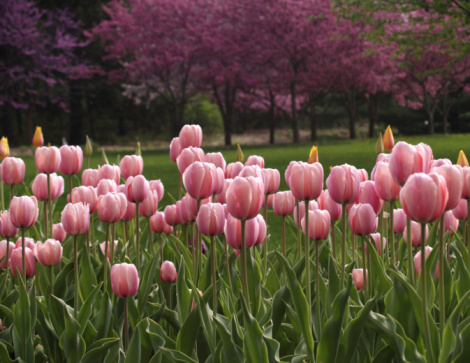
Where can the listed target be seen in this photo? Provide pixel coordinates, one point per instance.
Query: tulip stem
(23, 259)
(7, 256)
(70, 187)
(45, 220)
(12, 194)
(468, 229)
(343, 243)
(126, 326)
(307, 257)
(152, 249)
(382, 225)
(427, 334)
(105, 260)
(180, 185)
(299, 242)
(244, 276)
(137, 236)
(333, 239)
(198, 243)
(214, 281)
(228, 266)
(411, 273)
(161, 247)
(111, 244)
(317, 300)
(284, 236)
(50, 206)
(3, 197)
(92, 221)
(364, 267)
(391, 238)
(75, 260)
(266, 236)
(442, 300)
(51, 281)
(353, 241)
(88, 241)
(193, 250)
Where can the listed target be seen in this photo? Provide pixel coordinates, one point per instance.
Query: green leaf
(60, 283)
(188, 333)
(182, 293)
(385, 283)
(5, 356)
(22, 316)
(254, 277)
(71, 342)
(133, 352)
(254, 346)
(86, 309)
(175, 356)
(87, 276)
(463, 355)
(158, 336)
(231, 352)
(146, 283)
(99, 349)
(278, 309)
(103, 320)
(205, 315)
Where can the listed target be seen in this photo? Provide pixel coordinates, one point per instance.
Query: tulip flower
(306, 180)
(175, 149)
(38, 139)
(28, 242)
(402, 162)
(12, 170)
(211, 219)
(385, 186)
(379, 145)
(388, 140)
(24, 211)
(131, 165)
(4, 148)
(199, 179)
(219, 183)
(217, 159)
(106, 186)
(417, 261)
(362, 219)
(6, 248)
(58, 232)
(451, 224)
(368, 195)
(170, 215)
(7, 228)
(343, 184)
(462, 159)
(380, 243)
(90, 178)
(22, 260)
(48, 253)
(106, 249)
(190, 135)
(313, 156)
(168, 273)
(312, 205)
(399, 218)
(157, 186)
(112, 172)
(233, 170)
(319, 221)
(189, 156)
(460, 211)
(245, 197)
(47, 159)
(255, 160)
(222, 196)
(358, 278)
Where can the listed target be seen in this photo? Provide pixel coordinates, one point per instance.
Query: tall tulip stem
(244, 276)
(7, 254)
(12, 194)
(51, 281)
(45, 220)
(49, 202)
(111, 244)
(284, 236)
(137, 236)
(364, 266)
(75, 267)
(442, 300)
(343, 242)
(105, 259)
(307, 256)
(23, 259)
(198, 243)
(265, 259)
(411, 273)
(299, 242)
(3, 197)
(214, 281)
(333, 239)
(151, 247)
(391, 237)
(317, 292)
(427, 334)
(70, 187)
(468, 229)
(126, 326)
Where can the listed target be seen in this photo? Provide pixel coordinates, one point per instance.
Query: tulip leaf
(231, 352)
(254, 277)
(461, 271)
(254, 346)
(71, 342)
(278, 309)
(87, 278)
(205, 315)
(22, 316)
(182, 293)
(5, 356)
(334, 285)
(60, 283)
(86, 309)
(183, 251)
(146, 284)
(430, 269)
(103, 319)
(188, 333)
(99, 349)
(158, 336)
(175, 356)
(23, 350)
(384, 283)
(461, 353)
(133, 352)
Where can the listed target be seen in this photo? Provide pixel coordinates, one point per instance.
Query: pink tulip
(362, 219)
(283, 203)
(90, 178)
(425, 158)
(263, 229)
(3, 252)
(378, 242)
(454, 182)
(255, 160)
(326, 203)
(107, 171)
(252, 170)
(382, 157)
(150, 205)
(58, 232)
(270, 200)
(211, 219)
(358, 278)
(129, 214)
(168, 273)
(85, 195)
(111, 207)
(175, 149)
(39, 187)
(170, 215)
(402, 162)
(319, 222)
(233, 232)
(103, 248)
(399, 221)
(47, 159)
(217, 159)
(417, 261)
(219, 183)
(124, 280)
(272, 179)
(17, 264)
(415, 234)
(385, 185)
(424, 197)
(306, 180)
(28, 242)
(233, 169)
(199, 179)
(363, 175)
(440, 162)
(158, 224)
(24, 211)
(343, 184)
(451, 223)
(189, 156)
(460, 212)
(288, 171)
(131, 165)
(312, 205)
(76, 218)
(12, 170)
(106, 186)
(466, 182)
(190, 135)
(71, 159)
(7, 228)
(183, 215)
(222, 196)
(157, 186)
(137, 188)
(48, 253)
(368, 195)
(245, 197)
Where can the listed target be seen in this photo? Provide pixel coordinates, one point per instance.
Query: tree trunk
(294, 119)
(373, 106)
(431, 123)
(7, 122)
(313, 120)
(76, 113)
(350, 104)
(226, 108)
(272, 124)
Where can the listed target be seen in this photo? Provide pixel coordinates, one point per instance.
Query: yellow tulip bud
(379, 145)
(462, 160)
(38, 139)
(4, 148)
(388, 140)
(239, 156)
(313, 156)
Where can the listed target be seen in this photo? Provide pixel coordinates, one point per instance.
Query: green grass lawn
(360, 153)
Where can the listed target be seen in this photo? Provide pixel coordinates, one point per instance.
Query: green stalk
(92, 227)
(411, 273)
(442, 300)
(299, 242)
(214, 281)
(353, 240)
(75, 267)
(23, 259)
(45, 220)
(468, 229)
(284, 236)
(307, 256)
(343, 243)
(111, 244)
(105, 260)
(51, 281)
(70, 187)
(427, 333)
(137, 236)
(265, 259)
(3, 197)
(198, 244)
(12, 194)
(227, 265)
(161, 247)
(152, 248)
(364, 267)
(244, 276)
(126, 236)
(126, 326)
(333, 239)
(8, 254)
(49, 201)
(180, 185)
(391, 238)
(317, 300)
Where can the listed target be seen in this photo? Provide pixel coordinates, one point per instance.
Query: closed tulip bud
(129, 213)
(7, 228)
(379, 145)
(283, 203)
(362, 219)
(358, 278)
(217, 159)
(312, 205)
(3, 252)
(219, 182)
(451, 224)
(86, 195)
(157, 186)
(157, 222)
(48, 253)
(368, 195)
(252, 170)
(106, 186)
(4, 148)
(149, 205)
(199, 179)
(182, 214)
(211, 219)
(38, 139)
(170, 215)
(131, 165)
(71, 159)
(175, 149)
(454, 182)
(189, 156)
(402, 162)
(12, 170)
(111, 207)
(255, 160)
(313, 156)
(272, 179)
(137, 188)
(190, 135)
(326, 203)
(245, 197)
(343, 184)
(399, 221)
(39, 187)
(168, 273)
(462, 159)
(239, 158)
(306, 180)
(28, 242)
(385, 186)
(415, 234)
(88, 148)
(75, 218)
(319, 224)
(58, 232)
(233, 232)
(425, 158)
(104, 157)
(138, 149)
(222, 196)
(417, 261)
(16, 263)
(460, 212)
(382, 157)
(233, 170)
(124, 280)
(107, 171)
(90, 178)
(103, 248)
(47, 159)
(440, 162)
(24, 211)
(388, 140)
(378, 242)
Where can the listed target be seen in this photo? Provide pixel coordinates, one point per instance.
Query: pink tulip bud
(199, 179)
(170, 215)
(402, 162)
(288, 171)
(466, 182)
(399, 221)
(129, 213)
(424, 159)
(12, 170)
(326, 203)
(378, 242)
(460, 212)
(283, 203)
(85, 195)
(71, 159)
(168, 273)
(158, 224)
(211, 219)
(182, 215)
(189, 156)
(343, 184)
(319, 224)
(233, 232)
(150, 205)
(363, 175)
(47, 159)
(233, 169)
(24, 211)
(382, 157)
(368, 195)
(306, 180)
(454, 182)
(255, 160)
(222, 196)
(39, 187)
(157, 186)
(131, 165)
(106, 186)
(362, 219)
(217, 159)
(272, 179)
(312, 205)
(424, 197)
(175, 149)
(137, 188)
(245, 197)
(103, 248)
(3, 252)
(48, 253)
(28, 242)
(415, 234)
(76, 218)
(111, 207)
(90, 178)
(16, 262)
(263, 229)
(7, 228)
(451, 223)
(417, 261)
(124, 280)
(58, 232)
(440, 162)
(252, 170)
(358, 278)
(107, 171)
(385, 186)
(190, 135)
